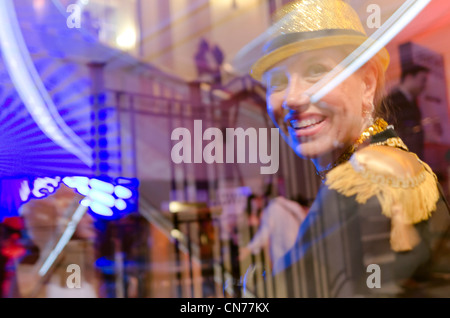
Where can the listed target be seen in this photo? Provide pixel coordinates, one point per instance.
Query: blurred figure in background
(278, 228)
(15, 243)
(208, 61)
(403, 110)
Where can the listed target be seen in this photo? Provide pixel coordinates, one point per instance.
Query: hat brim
(271, 59)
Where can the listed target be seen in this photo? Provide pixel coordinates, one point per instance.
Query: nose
(295, 98)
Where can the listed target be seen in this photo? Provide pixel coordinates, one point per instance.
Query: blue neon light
(101, 185)
(120, 204)
(104, 198)
(122, 192)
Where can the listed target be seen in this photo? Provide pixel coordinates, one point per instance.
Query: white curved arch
(30, 88)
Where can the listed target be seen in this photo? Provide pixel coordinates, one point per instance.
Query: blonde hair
(380, 90)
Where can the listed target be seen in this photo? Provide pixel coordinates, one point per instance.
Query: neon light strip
(396, 23)
(65, 238)
(99, 194)
(31, 89)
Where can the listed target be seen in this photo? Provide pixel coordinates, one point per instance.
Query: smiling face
(324, 129)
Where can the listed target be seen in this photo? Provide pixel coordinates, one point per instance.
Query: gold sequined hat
(305, 25)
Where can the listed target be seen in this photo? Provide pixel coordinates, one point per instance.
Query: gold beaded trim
(393, 142)
(394, 182)
(378, 126)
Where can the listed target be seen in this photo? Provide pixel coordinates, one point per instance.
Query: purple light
(31, 89)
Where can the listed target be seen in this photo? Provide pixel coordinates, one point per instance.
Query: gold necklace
(378, 126)
(393, 142)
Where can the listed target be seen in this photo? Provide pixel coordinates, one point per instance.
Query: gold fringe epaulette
(405, 187)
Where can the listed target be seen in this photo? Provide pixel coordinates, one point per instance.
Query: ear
(369, 76)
